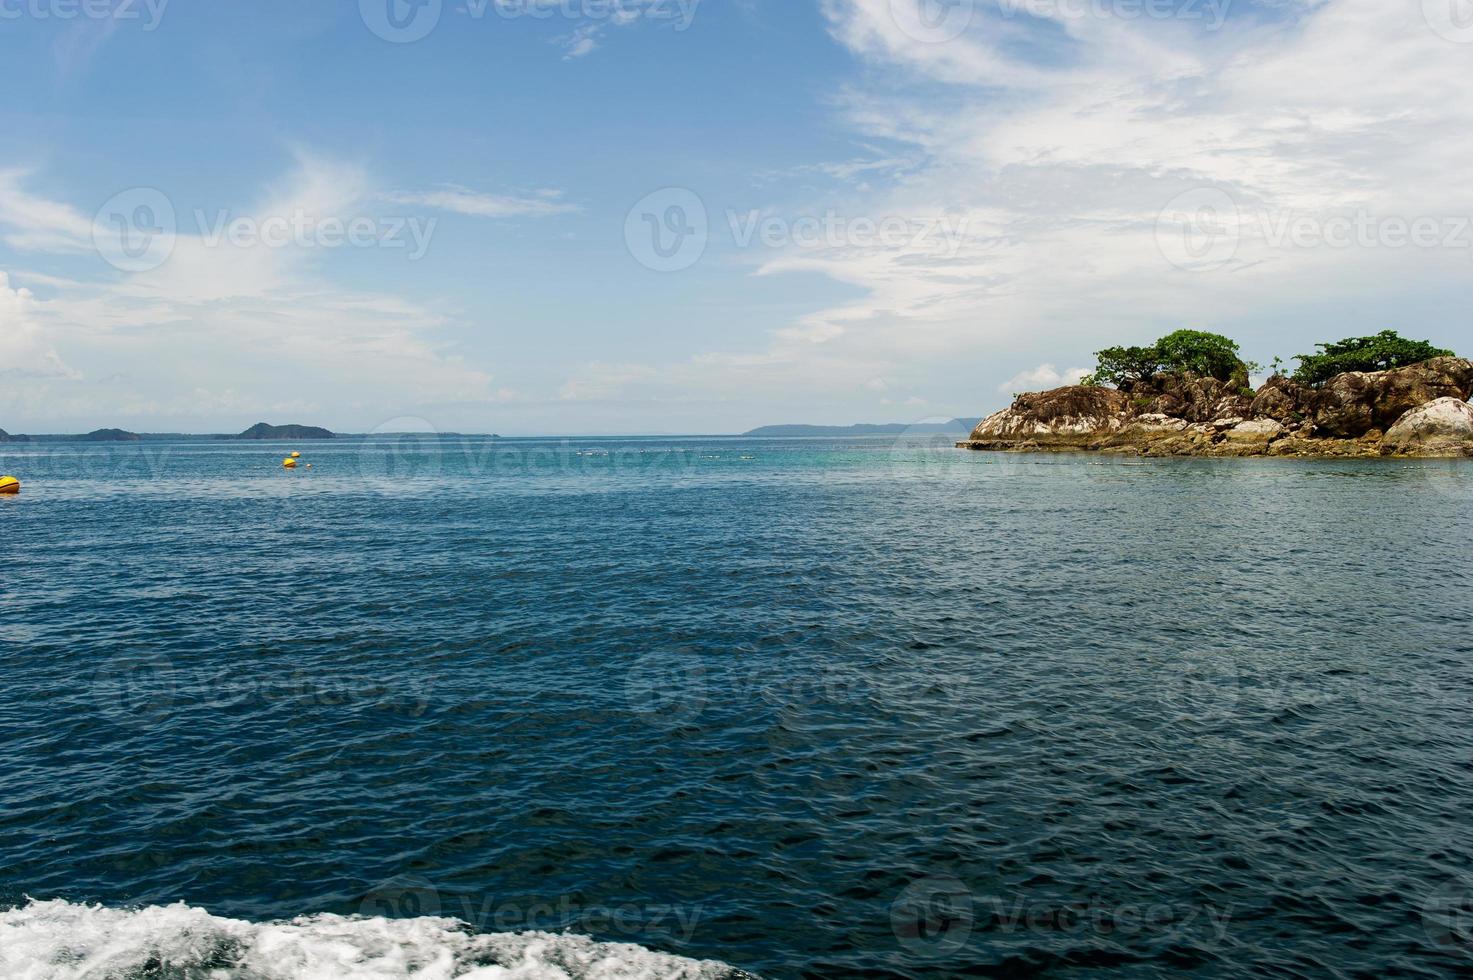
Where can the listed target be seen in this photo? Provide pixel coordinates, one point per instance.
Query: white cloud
(1042, 378)
(582, 42)
(29, 222)
(461, 200)
(603, 382)
(25, 351)
(586, 38)
(221, 317)
(1061, 166)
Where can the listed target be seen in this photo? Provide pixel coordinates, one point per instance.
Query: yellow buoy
(9, 484)
(289, 463)
(296, 455)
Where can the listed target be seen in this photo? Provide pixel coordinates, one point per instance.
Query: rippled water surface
(810, 708)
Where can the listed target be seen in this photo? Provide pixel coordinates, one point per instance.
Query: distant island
(259, 431)
(98, 435)
(1188, 395)
(262, 430)
(892, 429)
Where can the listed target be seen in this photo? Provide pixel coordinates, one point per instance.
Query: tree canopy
(1384, 351)
(1182, 352)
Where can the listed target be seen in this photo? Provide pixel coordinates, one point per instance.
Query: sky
(701, 216)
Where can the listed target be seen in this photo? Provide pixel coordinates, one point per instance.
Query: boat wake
(59, 940)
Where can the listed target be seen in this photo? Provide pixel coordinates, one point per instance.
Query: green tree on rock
(1384, 351)
(1185, 352)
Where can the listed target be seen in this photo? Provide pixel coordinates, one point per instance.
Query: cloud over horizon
(1067, 176)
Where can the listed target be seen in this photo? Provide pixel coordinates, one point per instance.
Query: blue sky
(911, 208)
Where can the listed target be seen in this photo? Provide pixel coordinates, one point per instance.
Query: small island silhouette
(259, 431)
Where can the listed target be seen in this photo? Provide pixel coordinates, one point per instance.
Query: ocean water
(688, 707)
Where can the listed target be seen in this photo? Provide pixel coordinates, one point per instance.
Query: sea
(722, 707)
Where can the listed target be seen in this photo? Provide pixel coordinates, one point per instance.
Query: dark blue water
(811, 708)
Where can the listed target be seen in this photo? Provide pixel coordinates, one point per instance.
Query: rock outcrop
(1074, 415)
(1439, 428)
(1422, 410)
(1350, 405)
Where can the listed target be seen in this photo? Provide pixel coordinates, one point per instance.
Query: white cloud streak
(1061, 141)
(217, 317)
(461, 200)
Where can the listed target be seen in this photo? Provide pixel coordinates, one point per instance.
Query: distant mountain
(7, 437)
(263, 431)
(893, 429)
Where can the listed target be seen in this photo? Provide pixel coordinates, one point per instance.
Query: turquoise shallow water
(811, 708)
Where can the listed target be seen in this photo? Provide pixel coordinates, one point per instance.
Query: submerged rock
(1439, 428)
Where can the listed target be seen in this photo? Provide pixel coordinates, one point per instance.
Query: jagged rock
(1070, 414)
(1167, 405)
(1343, 407)
(1279, 399)
(1193, 398)
(1351, 404)
(1443, 427)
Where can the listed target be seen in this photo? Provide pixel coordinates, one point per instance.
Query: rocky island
(263, 430)
(259, 431)
(1188, 395)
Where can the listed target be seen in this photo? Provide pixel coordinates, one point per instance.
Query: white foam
(58, 940)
